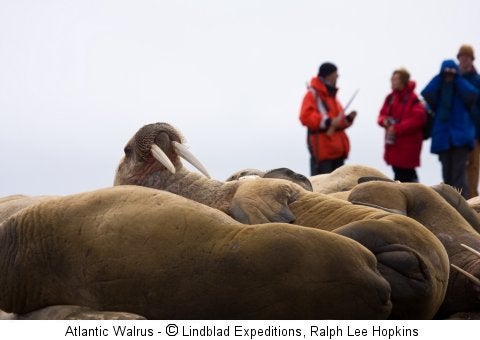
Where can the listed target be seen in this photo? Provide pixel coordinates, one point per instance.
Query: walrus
(436, 213)
(153, 253)
(415, 262)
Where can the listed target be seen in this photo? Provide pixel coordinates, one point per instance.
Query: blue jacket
(453, 104)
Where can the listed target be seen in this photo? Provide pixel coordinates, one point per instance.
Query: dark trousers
(405, 175)
(325, 166)
(473, 170)
(454, 167)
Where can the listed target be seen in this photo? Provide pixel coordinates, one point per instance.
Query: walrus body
(415, 262)
(436, 213)
(343, 178)
(10, 205)
(152, 253)
(409, 256)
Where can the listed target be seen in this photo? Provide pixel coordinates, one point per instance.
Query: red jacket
(409, 113)
(321, 145)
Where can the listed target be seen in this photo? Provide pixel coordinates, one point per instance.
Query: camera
(391, 121)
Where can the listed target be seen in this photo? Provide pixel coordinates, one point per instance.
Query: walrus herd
(169, 243)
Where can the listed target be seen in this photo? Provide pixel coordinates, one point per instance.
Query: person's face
(397, 83)
(449, 74)
(465, 62)
(331, 79)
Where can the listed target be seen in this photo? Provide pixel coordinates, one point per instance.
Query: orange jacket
(321, 145)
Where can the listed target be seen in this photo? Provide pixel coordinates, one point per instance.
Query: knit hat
(466, 50)
(326, 69)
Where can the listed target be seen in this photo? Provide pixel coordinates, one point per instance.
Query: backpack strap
(405, 100)
(321, 107)
(390, 102)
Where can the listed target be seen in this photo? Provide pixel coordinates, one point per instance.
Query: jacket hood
(320, 86)
(410, 86)
(450, 63)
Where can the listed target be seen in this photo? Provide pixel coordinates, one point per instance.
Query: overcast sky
(79, 77)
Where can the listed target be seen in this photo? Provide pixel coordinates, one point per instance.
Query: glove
(351, 116)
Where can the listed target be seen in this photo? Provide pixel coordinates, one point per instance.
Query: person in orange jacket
(323, 115)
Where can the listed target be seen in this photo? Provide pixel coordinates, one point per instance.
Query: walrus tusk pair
(464, 272)
(183, 152)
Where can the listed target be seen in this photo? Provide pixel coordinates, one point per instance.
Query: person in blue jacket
(452, 98)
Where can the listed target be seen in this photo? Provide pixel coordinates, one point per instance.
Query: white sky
(79, 77)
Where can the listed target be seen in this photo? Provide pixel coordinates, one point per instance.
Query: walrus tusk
(162, 158)
(471, 249)
(467, 274)
(183, 152)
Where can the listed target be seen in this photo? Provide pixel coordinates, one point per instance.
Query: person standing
(403, 117)
(452, 98)
(465, 58)
(324, 117)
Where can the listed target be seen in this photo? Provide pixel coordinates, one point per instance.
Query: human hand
(334, 124)
(351, 116)
(389, 121)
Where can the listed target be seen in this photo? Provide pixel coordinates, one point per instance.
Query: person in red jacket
(403, 117)
(323, 115)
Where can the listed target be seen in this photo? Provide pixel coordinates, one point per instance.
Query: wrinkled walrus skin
(409, 256)
(425, 205)
(10, 205)
(417, 264)
(155, 254)
(457, 201)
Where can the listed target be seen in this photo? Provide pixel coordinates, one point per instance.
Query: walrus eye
(127, 150)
